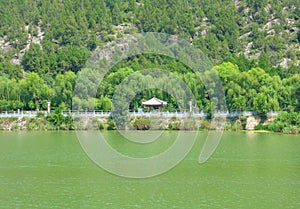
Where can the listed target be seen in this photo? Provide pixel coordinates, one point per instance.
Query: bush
(111, 125)
(237, 126)
(260, 127)
(61, 122)
(189, 125)
(291, 130)
(69, 122)
(40, 114)
(174, 124)
(100, 126)
(228, 126)
(205, 124)
(243, 122)
(142, 123)
(285, 122)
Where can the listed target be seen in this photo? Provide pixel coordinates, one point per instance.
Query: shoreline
(103, 123)
(107, 131)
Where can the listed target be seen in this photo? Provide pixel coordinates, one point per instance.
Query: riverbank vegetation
(287, 123)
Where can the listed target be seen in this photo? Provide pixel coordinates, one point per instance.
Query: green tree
(32, 59)
(264, 61)
(72, 58)
(63, 89)
(104, 104)
(116, 15)
(9, 89)
(7, 69)
(34, 90)
(261, 105)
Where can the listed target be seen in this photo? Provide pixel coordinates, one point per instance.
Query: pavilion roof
(154, 102)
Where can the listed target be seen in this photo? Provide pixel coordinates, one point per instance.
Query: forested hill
(50, 41)
(257, 28)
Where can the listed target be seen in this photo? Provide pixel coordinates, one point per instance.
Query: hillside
(253, 43)
(219, 28)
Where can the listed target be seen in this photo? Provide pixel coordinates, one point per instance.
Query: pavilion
(154, 102)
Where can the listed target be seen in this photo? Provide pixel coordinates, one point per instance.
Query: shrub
(40, 114)
(142, 123)
(189, 125)
(205, 124)
(259, 127)
(69, 121)
(237, 126)
(228, 127)
(286, 122)
(61, 122)
(100, 126)
(290, 130)
(111, 125)
(174, 124)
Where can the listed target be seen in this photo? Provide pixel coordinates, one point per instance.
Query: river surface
(247, 170)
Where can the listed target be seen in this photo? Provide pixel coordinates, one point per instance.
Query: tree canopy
(253, 43)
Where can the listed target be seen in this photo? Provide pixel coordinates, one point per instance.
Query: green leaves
(142, 123)
(253, 90)
(33, 90)
(32, 59)
(59, 121)
(63, 89)
(286, 123)
(62, 34)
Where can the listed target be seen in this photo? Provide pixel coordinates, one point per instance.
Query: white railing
(167, 114)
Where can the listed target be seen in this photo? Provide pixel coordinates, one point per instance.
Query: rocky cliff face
(7, 46)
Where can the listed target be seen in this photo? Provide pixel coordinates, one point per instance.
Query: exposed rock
(139, 3)
(9, 124)
(205, 19)
(15, 61)
(284, 63)
(6, 47)
(267, 8)
(122, 27)
(252, 122)
(248, 48)
(271, 32)
(269, 24)
(204, 28)
(236, 2)
(290, 21)
(1, 41)
(244, 36)
(269, 120)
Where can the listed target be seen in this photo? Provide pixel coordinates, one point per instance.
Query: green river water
(247, 170)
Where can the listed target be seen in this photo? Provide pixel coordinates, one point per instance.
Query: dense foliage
(44, 44)
(67, 30)
(286, 123)
(142, 123)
